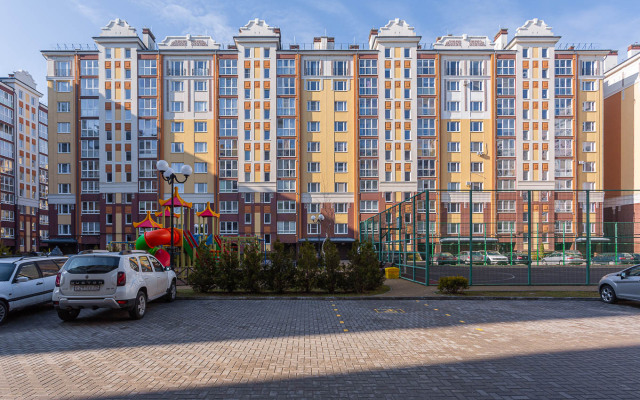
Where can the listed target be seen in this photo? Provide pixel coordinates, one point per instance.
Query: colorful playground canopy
(176, 200)
(208, 212)
(148, 222)
(165, 213)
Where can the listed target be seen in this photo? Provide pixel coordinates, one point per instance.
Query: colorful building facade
(280, 135)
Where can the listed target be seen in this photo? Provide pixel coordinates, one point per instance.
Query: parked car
(518, 257)
(494, 257)
(620, 285)
(99, 279)
(26, 281)
(636, 258)
(610, 258)
(444, 259)
(559, 258)
(477, 257)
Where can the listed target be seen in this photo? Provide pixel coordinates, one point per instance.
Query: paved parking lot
(326, 349)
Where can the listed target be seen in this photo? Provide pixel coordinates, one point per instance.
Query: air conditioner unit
(480, 153)
(580, 162)
(468, 183)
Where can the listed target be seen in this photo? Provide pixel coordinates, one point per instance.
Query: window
(452, 68)
(589, 147)
(228, 127)
(589, 68)
(453, 126)
(64, 168)
(564, 86)
(477, 167)
(477, 126)
(505, 106)
(563, 206)
(200, 147)
(287, 147)
(341, 229)
(368, 86)
(229, 227)
(563, 168)
(228, 86)
(589, 166)
(64, 107)
(427, 127)
(369, 206)
(340, 167)
(426, 148)
(313, 167)
(286, 207)
(200, 167)
(589, 86)
(368, 168)
(200, 188)
(313, 106)
(453, 167)
(313, 187)
(506, 168)
(564, 127)
(64, 147)
(563, 67)
(340, 147)
(176, 86)
(313, 86)
(368, 127)
(286, 127)
(368, 67)
(63, 86)
(228, 107)
(506, 147)
(228, 169)
(286, 86)
(506, 67)
(453, 106)
(340, 106)
(89, 87)
(453, 147)
(564, 147)
(286, 168)
(368, 106)
(368, 185)
(177, 147)
(588, 126)
(286, 227)
(589, 106)
(453, 228)
(426, 86)
(340, 126)
(228, 207)
(506, 206)
(147, 108)
(147, 67)
(475, 68)
(64, 127)
(312, 147)
(89, 67)
(453, 86)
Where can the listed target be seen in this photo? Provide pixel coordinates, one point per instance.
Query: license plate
(83, 288)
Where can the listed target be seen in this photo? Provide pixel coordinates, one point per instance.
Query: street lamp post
(318, 220)
(169, 176)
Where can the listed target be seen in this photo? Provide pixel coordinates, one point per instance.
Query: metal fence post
(529, 235)
(413, 242)
(470, 238)
(427, 256)
(589, 238)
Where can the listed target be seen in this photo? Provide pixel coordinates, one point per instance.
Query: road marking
(337, 315)
(478, 329)
(342, 322)
(346, 330)
(335, 309)
(462, 322)
(448, 315)
(389, 310)
(435, 309)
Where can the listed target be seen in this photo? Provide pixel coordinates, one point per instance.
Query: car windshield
(91, 264)
(493, 253)
(446, 254)
(6, 270)
(477, 253)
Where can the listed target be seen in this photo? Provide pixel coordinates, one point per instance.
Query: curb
(389, 298)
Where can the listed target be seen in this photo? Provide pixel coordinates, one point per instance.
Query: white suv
(26, 281)
(100, 279)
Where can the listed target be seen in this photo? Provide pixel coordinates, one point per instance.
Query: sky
(29, 26)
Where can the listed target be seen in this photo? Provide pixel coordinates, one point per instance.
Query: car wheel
(171, 294)
(140, 306)
(68, 315)
(607, 294)
(4, 311)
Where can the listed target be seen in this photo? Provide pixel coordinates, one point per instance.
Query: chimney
(323, 43)
(633, 50)
(148, 39)
(610, 60)
(501, 39)
(372, 35)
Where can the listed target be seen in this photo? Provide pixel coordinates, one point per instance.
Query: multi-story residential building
(24, 223)
(279, 136)
(621, 150)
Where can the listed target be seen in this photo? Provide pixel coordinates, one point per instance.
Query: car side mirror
(623, 275)
(167, 268)
(22, 279)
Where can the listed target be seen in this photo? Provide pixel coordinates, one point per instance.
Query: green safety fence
(507, 237)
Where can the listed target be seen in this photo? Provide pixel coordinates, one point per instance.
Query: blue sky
(32, 25)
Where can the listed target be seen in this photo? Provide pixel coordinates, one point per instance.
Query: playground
(165, 238)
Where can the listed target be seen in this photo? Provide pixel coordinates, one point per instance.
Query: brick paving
(327, 349)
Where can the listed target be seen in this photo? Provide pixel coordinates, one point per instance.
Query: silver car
(623, 285)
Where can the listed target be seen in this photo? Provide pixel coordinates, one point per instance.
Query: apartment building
(622, 203)
(24, 219)
(303, 142)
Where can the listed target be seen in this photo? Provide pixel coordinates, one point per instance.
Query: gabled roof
(148, 222)
(176, 200)
(208, 212)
